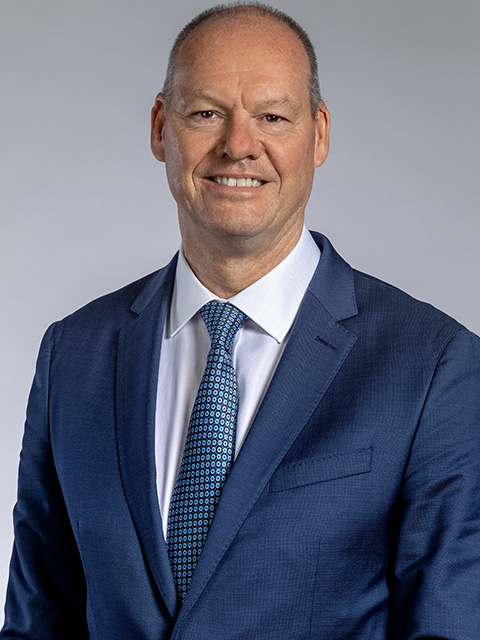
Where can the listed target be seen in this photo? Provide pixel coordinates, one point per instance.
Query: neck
(227, 270)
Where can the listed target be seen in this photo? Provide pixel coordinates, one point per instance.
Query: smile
(237, 182)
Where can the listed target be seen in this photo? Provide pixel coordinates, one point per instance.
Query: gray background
(85, 207)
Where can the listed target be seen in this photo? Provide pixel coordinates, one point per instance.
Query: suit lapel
(316, 350)
(137, 373)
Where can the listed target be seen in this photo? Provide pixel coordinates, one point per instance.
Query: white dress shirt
(271, 305)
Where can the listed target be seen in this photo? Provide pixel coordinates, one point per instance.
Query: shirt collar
(272, 302)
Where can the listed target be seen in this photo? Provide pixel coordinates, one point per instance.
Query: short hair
(236, 9)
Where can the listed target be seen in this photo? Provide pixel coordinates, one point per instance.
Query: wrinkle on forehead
(253, 58)
(257, 100)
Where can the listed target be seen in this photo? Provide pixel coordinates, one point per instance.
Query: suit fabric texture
(352, 510)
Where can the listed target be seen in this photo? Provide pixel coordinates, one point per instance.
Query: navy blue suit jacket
(351, 512)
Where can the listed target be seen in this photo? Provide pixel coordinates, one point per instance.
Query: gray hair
(236, 9)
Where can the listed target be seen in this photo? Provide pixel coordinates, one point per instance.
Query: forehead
(252, 47)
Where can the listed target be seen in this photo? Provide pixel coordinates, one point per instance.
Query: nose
(239, 139)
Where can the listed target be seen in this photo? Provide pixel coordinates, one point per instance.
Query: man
(349, 410)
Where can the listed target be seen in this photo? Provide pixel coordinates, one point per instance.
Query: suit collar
(156, 286)
(272, 302)
(139, 346)
(333, 282)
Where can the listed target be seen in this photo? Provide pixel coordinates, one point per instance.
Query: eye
(271, 117)
(206, 115)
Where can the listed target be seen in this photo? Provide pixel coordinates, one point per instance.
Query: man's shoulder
(114, 309)
(398, 316)
(376, 307)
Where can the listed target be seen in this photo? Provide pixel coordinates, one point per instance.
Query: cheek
(306, 159)
(178, 166)
(296, 168)
(295, 155)
(183, 159)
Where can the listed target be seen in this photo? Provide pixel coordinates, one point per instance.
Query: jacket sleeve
(436, 568)
(46, 594)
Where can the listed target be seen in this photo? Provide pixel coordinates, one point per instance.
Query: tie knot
(222, 320)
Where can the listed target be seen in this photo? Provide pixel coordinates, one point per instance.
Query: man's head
(239, 111)
(237, 11)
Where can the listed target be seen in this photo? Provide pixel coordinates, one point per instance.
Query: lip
(237, 176)
(232, 190)
(249, 181)
(234, 193)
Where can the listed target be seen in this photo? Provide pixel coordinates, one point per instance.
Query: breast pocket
(325, 469)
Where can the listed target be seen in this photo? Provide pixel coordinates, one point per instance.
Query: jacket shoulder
(397, 314)
(113, 310)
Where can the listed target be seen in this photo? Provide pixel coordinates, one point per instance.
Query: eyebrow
(281, 101)
(200, 95)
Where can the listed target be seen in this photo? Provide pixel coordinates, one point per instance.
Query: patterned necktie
(209, 448)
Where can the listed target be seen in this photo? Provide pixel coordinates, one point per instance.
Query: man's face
(238, 138)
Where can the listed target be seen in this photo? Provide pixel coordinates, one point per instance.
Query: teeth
(238, 182)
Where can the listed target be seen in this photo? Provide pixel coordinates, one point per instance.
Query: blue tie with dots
(209, 448)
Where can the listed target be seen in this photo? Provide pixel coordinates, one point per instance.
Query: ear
(157, 129)
(322, 134)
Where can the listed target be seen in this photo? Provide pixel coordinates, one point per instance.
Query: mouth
(237, 182)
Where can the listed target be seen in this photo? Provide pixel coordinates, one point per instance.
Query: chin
(241, 224)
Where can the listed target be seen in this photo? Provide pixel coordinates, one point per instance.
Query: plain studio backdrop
(85, 207)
